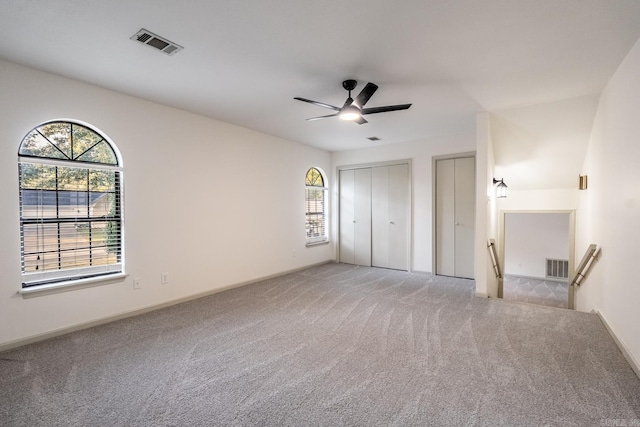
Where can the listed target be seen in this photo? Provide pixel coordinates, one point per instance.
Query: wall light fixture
(501, 188)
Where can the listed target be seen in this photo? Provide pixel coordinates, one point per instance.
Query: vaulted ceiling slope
(244, 61)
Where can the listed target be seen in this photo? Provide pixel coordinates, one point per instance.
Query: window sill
(53, 288)
(319, 243)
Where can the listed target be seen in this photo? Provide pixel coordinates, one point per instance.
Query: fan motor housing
(349, 84)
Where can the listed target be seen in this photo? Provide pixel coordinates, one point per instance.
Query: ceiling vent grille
(147, 37)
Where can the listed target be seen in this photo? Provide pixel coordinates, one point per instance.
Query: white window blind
(70, 205)
(315, 206)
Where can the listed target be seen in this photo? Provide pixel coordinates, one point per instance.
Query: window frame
(324, 237)
(63, 277)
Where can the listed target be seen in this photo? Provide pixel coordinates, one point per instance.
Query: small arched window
(70, 179)
(316, 206)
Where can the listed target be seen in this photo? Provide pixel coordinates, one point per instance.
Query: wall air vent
(557, 268)
(147, 37)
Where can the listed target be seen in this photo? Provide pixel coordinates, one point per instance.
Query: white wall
(486, 214)
(421, 153)
(609, 210)
(559, 199)
(192, 185)
(530, 238)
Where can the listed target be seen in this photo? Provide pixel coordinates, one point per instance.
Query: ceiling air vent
(147, 37)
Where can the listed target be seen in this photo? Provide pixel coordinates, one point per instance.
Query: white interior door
(355, 216)
(389, 213)
(465, 200)
(455, 216)
(362, 208)
(445, 217)
(347, 217)
(380, 217)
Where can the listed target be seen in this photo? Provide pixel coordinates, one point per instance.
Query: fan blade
(365, 94)
(321, 117)
(319, 104)
(375, 110)
(360, 120)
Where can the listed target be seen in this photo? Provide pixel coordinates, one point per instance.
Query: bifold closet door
(455, 217)
(355, 216)
(389, 211)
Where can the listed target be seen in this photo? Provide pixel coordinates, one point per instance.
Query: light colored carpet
(533, 291)
(333, 345)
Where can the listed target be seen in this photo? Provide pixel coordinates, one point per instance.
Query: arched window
(70, 180)
(316, 206)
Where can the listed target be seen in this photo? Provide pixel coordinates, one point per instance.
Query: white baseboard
(90, 324)
(621, 345)
(544, 279)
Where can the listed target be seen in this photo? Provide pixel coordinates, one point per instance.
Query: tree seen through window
(315, 206)
(70, 204)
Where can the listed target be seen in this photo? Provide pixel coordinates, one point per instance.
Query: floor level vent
(155, 41)
(557, 269)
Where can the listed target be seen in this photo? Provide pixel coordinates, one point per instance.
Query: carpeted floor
(533, 291)
(334, 345)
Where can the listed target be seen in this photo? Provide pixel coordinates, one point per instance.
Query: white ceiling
(244, 61)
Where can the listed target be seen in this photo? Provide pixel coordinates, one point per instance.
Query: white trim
(70, 274)
(317, 243)
(68, 163)
(543, 279)
(114, 270)
(311, 241)
(572, 244)
(635, 365)
(97, 130)
(101, 321)
(52, 288)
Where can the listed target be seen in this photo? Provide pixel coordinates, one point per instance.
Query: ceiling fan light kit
(350, 113)
(353, 109)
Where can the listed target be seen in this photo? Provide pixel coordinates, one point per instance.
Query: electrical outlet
(137, 283)
(164, 278)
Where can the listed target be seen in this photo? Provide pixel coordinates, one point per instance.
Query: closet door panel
(445, 217)
(465, 216)
(399, 202)
(347, 217)
(362, 216)
(380, 217)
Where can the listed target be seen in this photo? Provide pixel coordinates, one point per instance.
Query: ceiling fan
(353, 109)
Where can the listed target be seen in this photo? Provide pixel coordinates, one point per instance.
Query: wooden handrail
(491, 245)
(593, 251)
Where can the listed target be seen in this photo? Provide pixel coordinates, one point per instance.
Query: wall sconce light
(501, 188)
(582, 182)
